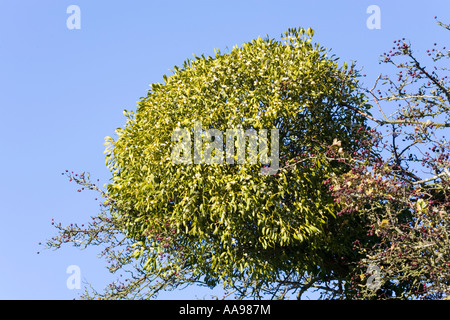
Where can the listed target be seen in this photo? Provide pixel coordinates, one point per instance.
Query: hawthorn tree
(405, 193)
(228, 224)
(344, 202)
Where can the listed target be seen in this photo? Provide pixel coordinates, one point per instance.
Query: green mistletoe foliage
(352, 212)
(229, 223)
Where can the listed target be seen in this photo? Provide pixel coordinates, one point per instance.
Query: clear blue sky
(62, 91)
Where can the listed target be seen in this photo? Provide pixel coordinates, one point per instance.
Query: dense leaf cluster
(229, 222)
(353, 211)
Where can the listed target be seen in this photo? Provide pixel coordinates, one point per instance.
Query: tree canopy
(340, 202)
